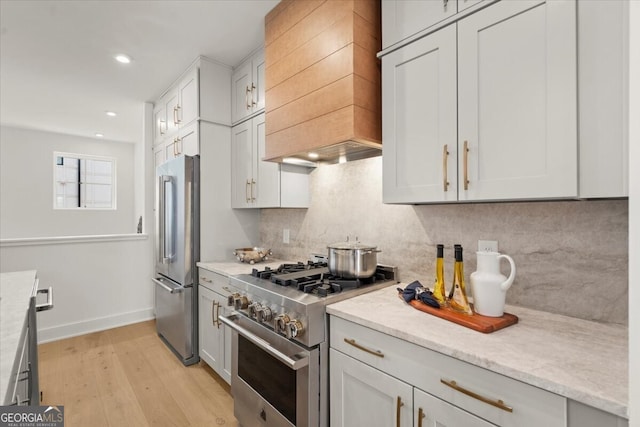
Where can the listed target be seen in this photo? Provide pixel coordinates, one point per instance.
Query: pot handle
(372, 251)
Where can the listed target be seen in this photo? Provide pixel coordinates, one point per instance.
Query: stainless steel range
(280, 341)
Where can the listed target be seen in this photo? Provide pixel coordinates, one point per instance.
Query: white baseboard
(93, 325)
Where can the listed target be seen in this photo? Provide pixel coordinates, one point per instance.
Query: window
(83, 182)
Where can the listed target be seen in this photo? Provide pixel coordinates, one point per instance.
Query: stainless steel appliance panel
(177, 251)
(177, 224)
(274, 381)
(174, 316)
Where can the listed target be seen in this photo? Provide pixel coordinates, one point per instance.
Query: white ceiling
(57, 71)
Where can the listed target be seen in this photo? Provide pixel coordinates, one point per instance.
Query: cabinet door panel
(438, 413)
(258, 80)
(240, 83)
(188, 91)
(364, 396)
(208, 331)
(189, 141)
(517, 101)
(242, 165)
(171, 107)
(267, 186)
(419, 119)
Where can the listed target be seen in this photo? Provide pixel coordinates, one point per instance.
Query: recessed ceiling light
(110, 113)
(99, 135)
(313, 155)
(122, 58)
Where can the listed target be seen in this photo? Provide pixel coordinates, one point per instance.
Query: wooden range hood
(323, 90)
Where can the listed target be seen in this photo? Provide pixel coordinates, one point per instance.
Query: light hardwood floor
(128, 377)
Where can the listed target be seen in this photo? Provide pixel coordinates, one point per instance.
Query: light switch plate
(285, 236)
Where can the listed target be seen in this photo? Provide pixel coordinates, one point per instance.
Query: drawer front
(214, 281)
(474, 389)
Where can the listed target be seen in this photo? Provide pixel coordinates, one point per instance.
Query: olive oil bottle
(458, 295)
(439, 289)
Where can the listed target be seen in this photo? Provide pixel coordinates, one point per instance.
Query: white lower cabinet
(214, 337)
(364, 396)
(389, 381)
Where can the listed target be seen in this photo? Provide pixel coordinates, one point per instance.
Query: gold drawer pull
(399, 404)
(497, 403)
(445, 178)
(353, 342)
(465, 152)
(420, 416)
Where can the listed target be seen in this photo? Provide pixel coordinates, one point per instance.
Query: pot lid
(351, 245)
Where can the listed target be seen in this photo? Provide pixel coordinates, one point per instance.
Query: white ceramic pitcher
(489, 286)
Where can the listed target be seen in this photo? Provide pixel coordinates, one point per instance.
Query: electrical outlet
(487, 246)
(285, 236)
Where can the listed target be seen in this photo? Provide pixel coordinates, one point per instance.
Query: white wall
(96, 284)
(26, 186)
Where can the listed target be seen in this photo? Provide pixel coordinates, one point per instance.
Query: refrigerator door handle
(171, 290)
(165, 241)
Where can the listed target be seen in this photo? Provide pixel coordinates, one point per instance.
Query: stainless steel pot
(352, 260)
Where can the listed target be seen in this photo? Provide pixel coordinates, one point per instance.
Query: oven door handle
(295, 364)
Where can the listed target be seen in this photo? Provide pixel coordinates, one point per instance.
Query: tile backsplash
(571, 256)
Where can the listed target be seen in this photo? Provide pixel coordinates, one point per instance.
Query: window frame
(81, 157)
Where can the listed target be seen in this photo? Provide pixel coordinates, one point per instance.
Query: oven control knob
(280, 323)
(254, 309)
(294, 328)
(231, 298)
(241, 302)
(265, 314)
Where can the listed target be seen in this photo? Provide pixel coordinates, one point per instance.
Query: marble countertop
(16, 289)
(581, 360)
(231, 268)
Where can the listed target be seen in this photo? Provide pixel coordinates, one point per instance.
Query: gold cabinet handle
(179, 120)
(175, 115)
(246, 98)
(213, 312)
(246, 190)
(420, 416)
(497, 403)
(253, 183)
(445, 173)
(204, 279)
(353, 342)
(227, 289)
(179, 147)
(465, 151)
(218, 315)
(399, 405)
(175, 147)
(253, 101)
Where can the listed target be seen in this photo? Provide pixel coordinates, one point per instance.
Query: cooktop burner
(313, 277)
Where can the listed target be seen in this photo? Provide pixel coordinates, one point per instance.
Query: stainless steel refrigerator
(177, 251)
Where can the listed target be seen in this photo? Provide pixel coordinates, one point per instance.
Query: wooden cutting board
(476, 321)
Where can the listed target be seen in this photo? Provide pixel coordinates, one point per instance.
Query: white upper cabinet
(484, 108)
(420, 120)
(247, 85)
(540, 92)
(201, 93)
(254, 183)
(517, 108)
